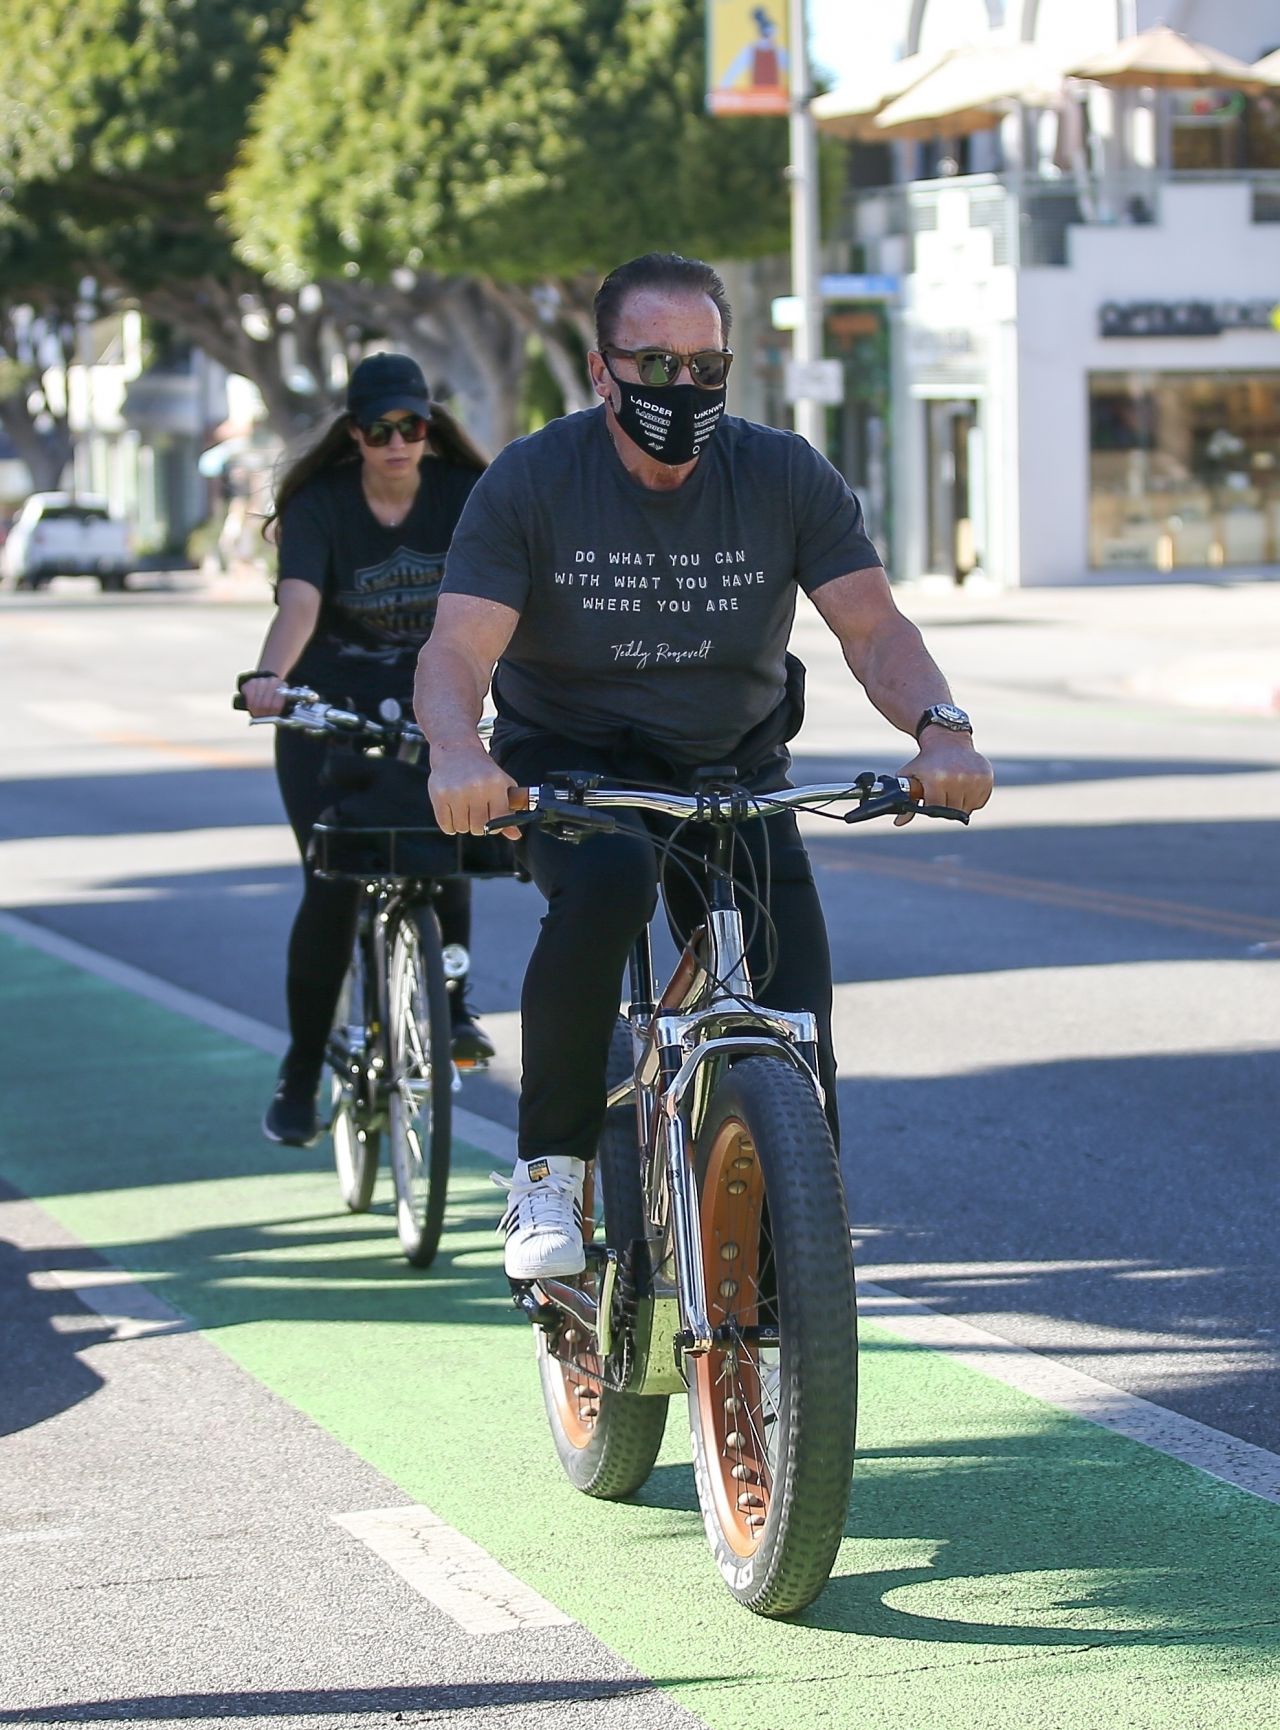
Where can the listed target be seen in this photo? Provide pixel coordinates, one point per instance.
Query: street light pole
(810, 413)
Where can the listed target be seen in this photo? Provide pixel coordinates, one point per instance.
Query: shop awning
(970, 90)
(1164, 59)
(850, 109)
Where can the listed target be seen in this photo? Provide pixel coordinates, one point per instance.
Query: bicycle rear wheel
(607, 1439)
(773, 1405)
(351, 1125)
(419, 1093)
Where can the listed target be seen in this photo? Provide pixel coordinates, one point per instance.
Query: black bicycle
(388, 1058)
(719, 1263)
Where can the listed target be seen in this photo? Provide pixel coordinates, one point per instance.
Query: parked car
(56, 535)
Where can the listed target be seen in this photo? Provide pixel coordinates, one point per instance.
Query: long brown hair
(333, 447)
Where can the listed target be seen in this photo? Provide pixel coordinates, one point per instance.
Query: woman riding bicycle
(364, 520)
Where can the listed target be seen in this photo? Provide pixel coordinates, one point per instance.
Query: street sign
(852, 286)
(815, 381)
(784, 311)
(748, 64)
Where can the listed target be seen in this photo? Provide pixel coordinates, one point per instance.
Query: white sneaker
(543, 1221)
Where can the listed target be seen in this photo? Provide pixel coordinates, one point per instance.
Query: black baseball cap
(383, 382)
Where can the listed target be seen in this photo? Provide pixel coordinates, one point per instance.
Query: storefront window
(1184, 469)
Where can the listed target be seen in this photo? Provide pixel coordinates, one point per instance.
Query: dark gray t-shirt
(667, 613)
(378, 586)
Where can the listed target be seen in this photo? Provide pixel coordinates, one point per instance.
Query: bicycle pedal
(525, 1299)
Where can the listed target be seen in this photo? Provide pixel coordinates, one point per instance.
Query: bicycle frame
(681, 1042)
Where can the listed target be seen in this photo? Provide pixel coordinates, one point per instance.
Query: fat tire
(613, 1455)
(780, 1567)
(420, 1219)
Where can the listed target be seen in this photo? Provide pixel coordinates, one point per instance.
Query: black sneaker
(472, 1046)
(291, 1116)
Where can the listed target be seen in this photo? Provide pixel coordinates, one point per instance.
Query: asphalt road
(1057, 1029)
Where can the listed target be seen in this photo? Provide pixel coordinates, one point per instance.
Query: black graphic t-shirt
(667, 613)
(379, 586)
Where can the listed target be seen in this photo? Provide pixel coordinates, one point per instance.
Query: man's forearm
(448, 694)
(898, 673)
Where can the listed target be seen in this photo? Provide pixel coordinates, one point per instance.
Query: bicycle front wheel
(773, 1405)
(351, 1111)
(419, 1093)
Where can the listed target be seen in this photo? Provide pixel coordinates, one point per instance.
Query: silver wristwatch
(944, 715)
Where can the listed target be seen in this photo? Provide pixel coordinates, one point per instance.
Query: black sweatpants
(600, 895)
(324, 926)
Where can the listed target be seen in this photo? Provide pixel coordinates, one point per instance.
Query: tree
(519, 150)
(120, 121)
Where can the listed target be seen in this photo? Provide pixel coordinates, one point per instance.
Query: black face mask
(671, 423)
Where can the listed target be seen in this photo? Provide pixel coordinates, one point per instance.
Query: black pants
(600, 895)
(324, 926)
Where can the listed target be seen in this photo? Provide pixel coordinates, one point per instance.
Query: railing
(1029, 218)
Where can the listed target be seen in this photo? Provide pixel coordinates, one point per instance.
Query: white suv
(57, 535)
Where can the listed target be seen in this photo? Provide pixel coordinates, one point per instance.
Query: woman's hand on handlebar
(948, 771)
(468, 789)
(263, 696)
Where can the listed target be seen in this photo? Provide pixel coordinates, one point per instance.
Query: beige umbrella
(850, 109)
(971, 89)
(1162, 59)
(1268, 69)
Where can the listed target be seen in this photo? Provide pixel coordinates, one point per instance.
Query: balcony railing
(1028, 218)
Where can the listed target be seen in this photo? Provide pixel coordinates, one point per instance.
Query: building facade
(1085, 346)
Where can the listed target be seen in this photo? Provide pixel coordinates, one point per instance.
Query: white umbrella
(970, 90)
(1268, 69)
(849, 110)
(1163, 59)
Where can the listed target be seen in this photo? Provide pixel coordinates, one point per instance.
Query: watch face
(949, 715)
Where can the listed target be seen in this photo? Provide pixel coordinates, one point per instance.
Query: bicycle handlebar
(577, 805)
(307, 712)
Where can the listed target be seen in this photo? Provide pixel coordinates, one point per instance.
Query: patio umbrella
(970, 91)
(1268, 69)
(1163, 59)
(850, 109)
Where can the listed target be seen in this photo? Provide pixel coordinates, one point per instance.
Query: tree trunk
(46, 454)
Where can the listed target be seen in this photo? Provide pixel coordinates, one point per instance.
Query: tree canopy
(122, 117)
(518, 142)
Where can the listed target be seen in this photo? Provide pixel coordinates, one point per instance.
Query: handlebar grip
(238, 702)
(948, 812)
(519, 798)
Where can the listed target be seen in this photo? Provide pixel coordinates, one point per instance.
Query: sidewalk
(1213, 646)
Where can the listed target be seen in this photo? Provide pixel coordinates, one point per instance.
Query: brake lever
(947, 811)
(562, 820)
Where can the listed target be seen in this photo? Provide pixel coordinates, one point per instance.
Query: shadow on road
(326, 1703)
(41, 1369)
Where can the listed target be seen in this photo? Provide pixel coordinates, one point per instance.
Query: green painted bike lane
(1003, 1563)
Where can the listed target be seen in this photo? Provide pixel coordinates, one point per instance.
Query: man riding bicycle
(627, 578)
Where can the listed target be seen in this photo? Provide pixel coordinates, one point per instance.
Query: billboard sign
(748, 63)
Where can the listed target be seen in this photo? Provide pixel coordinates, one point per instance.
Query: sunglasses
(708, 367)
(412, 429)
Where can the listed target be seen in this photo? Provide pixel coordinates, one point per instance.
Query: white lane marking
(451, 1572)
(159, 991)
(454, 1573)
(133, 1310)
(1241, 1464)
(1238, 1463)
